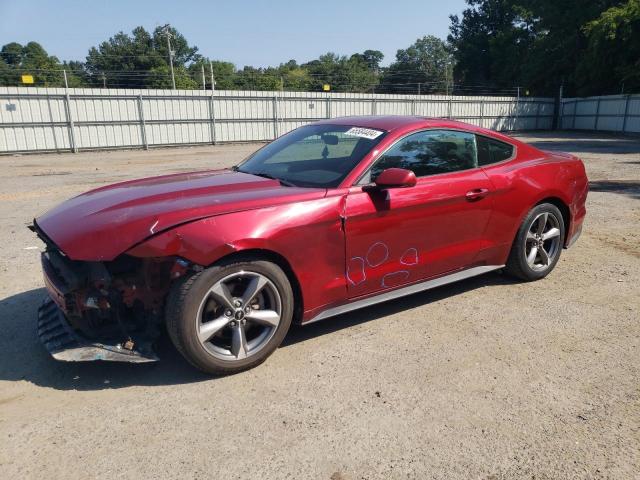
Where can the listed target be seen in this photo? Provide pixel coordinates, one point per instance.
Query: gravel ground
(487, 379)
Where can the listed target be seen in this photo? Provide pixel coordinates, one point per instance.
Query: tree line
(590, 47)
(141, 60)
(587, 46)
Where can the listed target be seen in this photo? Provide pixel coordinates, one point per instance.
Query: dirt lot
(485, 379)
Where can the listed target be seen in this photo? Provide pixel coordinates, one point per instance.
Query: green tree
(491, 43)
(124, 61)
(11, 59)
(611, 62)
(6, 73)
(342, 73)
(371, 58)
(537, 44)
(251, 78)
(224, 73)
(12, 54)
(141, 60)
(183, 53)
(76, 76)
(32, 59)
(428, 62)
(559, 44)
(294, 77)
(297, 79)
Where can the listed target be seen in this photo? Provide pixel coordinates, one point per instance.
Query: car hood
(103, 223)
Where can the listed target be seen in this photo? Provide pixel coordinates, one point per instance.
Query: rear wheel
(538, 244)
(230, 317)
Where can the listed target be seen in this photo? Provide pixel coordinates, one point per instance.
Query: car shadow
(23, 358)
(302, 333)
(582, 143)
(630, 188)
(616, 146)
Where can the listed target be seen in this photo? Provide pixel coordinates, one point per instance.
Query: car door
(401, 235)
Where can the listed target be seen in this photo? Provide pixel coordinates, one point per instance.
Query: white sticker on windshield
(363, 132)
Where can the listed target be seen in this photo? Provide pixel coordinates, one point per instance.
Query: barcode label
(363, 132)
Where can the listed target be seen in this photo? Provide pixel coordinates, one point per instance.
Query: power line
(246, 80)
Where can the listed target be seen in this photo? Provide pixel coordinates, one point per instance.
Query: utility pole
(204, 83)
(418, 88)
(66, 84)
(213, 82)
(166, 30)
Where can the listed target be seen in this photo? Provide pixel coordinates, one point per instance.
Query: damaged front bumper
(65, 344)
(97, 310)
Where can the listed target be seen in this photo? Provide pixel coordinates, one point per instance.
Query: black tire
(517, 263)
(183, 310)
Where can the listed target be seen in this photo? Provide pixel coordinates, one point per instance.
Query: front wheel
(230, 317)
(536, 249)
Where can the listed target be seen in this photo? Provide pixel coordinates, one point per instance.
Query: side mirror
(395, 178)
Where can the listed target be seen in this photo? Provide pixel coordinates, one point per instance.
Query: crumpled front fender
(308, 235)
(200, 242)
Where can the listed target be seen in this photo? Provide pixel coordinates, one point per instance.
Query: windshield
(314, 155)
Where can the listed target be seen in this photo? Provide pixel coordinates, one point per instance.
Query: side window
(429, 153)
(492, 151)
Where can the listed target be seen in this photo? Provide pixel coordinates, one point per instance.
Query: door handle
(476, 194)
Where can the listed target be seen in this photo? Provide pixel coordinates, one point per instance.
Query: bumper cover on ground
(64, 344)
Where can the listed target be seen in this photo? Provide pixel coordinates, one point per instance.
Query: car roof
(380, 122)
(409, 122)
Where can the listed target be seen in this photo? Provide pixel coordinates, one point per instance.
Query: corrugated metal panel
(617, 113)
(42, 119)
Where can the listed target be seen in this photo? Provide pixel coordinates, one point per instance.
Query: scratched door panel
(399, 236)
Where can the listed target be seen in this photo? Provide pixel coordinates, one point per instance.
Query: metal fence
(58, 119)
(615, 113)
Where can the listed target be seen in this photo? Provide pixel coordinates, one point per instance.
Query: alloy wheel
(542, 243)
(238, 315)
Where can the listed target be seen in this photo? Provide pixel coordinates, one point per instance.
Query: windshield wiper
(286, 183)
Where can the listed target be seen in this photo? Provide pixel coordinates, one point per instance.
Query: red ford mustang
(328, 218)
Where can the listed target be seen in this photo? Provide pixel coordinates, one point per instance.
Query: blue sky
(245, 32)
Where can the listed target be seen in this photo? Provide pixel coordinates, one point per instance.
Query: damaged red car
(331, 217)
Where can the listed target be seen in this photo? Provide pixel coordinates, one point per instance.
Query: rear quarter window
(492, 151)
